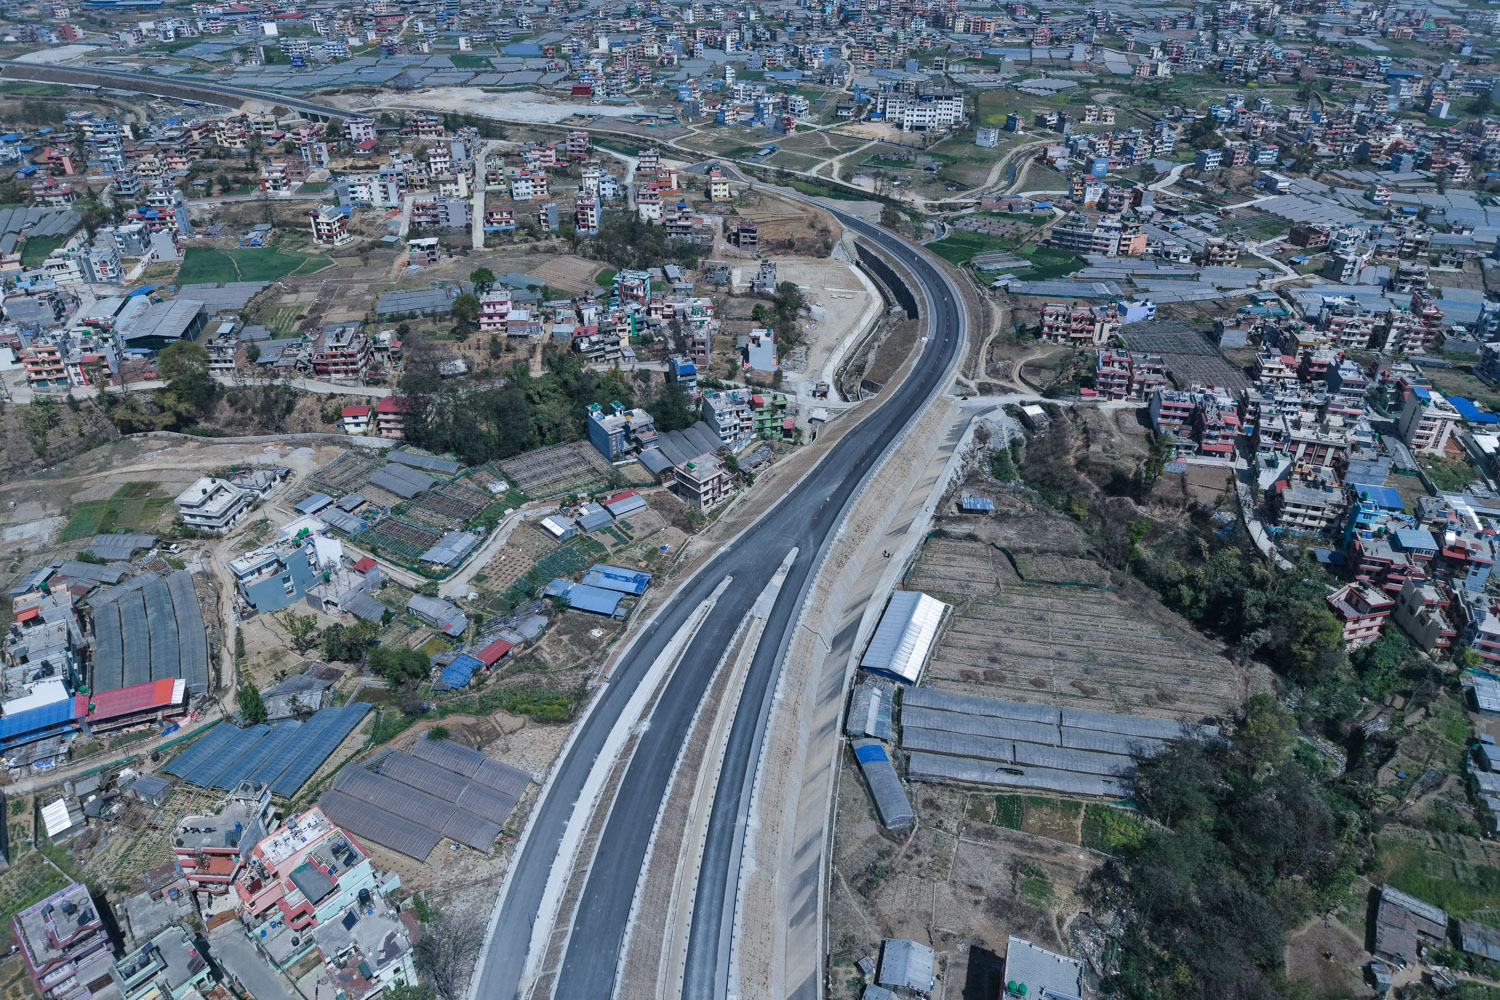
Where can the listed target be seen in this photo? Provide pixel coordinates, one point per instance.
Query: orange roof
(26, 614)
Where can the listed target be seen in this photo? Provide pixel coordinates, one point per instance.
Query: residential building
(213, 505)
(64, 944)
(727, 413)
(390, 417)
(1314, 507)
(1080, 325)
(355, 419)
(1362, 610)
(702, 482)
(769, 412)
(330, 226)
(1422, 613)
(168, 967)
(619, 433)
(926, 109)
(342, 353)
(210, 848)
(1427, 421)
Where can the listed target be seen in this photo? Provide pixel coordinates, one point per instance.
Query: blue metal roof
(314, 503)
(1472, 413)
(1415, 538)
(461, 670)
(976, 503)
(585, 598)
(625, 581)
(868, 754)
(34, 722)
(1386, 497)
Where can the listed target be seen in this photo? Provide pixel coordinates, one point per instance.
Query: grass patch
(37, 89)
(1441, 878)
(312, 187)
(825, 191)
(127, 509)
(1108, 829)
(1010, 812)
(465, 60)
(961, 245)
(35, 250)
(606, 278)
(1049, 262)
(1449, 476)
(1033, 886)
(1056, 819)
(204, 265)
(538, 703)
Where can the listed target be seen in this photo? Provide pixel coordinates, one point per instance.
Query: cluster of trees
(624, 241)
(1251, 842)
(527, 412)
(781, 315)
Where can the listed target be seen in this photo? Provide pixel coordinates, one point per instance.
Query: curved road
(805, 518)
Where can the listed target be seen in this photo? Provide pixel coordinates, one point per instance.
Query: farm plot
(400, 539)
(130, 507)
(1069, 646)
(556, 469)
(451, 505)
(348, 473)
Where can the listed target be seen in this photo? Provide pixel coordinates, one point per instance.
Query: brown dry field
(954, 885)
(1078, 646)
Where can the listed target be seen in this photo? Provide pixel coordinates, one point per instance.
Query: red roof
(138, 698)
(366, 146)
(356, 411)
(623, 494)
(391, 404)
(26, 614)
(493, 652)
(788, 424)
(364, 565)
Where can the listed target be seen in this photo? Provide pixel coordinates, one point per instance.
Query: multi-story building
(702, 482)
(341, 353)
(619, 432)
(1362, 610)
(921, 111)
(1427, 420)
(330, 227)
(1079, 325)
(213, 505)
(1314, 507)
(1422, 613)
(64, 944)
(45, 371)
(167, 967)
(769, 411)
(210, 848)
(1112, 373)
(390, 417)
(727, 412)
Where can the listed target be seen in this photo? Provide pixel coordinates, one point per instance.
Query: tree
(445, 956)
(247, 700)
(437, 733)
(301, 630)
(465, 309)
(483, 279)
(39, 418)
(190, 390)
(398, 664)
(252, 352)
(670, 410)
(346, 643)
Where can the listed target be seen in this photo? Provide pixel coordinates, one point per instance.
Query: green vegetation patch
(1444, 879)
(1010, 811)
(465, 60)
(128, 508)
(1033, 885)
(35, 250)
(204, 265)
(959, 246)
(541, 704)
(1108, 829)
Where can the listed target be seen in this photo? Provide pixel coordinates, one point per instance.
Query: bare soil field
(1073, 641)
(1326, 954)
(958, 884)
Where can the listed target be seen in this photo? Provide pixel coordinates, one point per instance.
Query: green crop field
(465, 60)
(203, 265)
(34, 251)
(131, 507)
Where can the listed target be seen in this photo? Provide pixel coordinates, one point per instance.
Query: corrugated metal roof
(626, 581)
(964, 770)
(978, 725)
(948, 701)
(885, 787)
(958, 744)
(905, 636)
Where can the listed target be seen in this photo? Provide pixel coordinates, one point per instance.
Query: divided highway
(805, 518)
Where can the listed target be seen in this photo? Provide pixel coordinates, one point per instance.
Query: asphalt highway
(164, 86)
(805, 517)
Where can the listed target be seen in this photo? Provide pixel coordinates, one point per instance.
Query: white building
(212, 505)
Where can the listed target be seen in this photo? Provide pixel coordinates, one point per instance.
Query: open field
(35, 250)
(1070, 642)
(134, 506)
(203, 265)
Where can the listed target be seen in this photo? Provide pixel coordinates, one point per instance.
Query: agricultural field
(132, 507)
(205, 265)
(34, 251)
(1044, 626)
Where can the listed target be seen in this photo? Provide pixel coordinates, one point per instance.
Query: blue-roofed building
(461, 670)
(1384, 497)
(1416, 541)
(978, 505)
(624, 581)
(314, 503)
(582, 597)
(32, 724)
(1472, 413)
